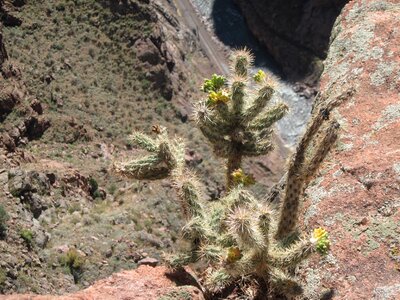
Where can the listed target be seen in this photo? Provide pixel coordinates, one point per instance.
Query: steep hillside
(77, 77)
(80, 76)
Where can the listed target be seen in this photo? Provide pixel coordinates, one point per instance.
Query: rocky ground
(134, 285)
(77, 77)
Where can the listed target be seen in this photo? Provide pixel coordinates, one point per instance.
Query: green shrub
(60, 7)
(74, 207)
(94, 188)
(112, 189)
(57, 46)
(3, 219)
(3, 276)
(74, 262)
(27, 236)
(96, 194)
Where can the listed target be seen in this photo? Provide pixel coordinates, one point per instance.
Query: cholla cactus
(238, 236)
(236, 122)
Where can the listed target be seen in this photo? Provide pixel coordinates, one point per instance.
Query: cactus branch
(150, 167)
(271, 116)
(234, 163)
(284, 283)
(264, 96)
(292, 255)
(143, 141)
(298, 175)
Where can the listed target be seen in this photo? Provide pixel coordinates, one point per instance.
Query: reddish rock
(36, 126)
(149, 261)
(37, 106)
(7, 142)
(144, 283)
(357, 193)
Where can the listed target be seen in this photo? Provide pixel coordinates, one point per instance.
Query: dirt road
(211, 49)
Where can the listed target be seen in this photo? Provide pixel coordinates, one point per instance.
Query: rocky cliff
(296, 33)
(76, 78)
(357, 193)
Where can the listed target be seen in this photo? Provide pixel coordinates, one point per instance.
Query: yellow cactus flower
(321, 240)
(319, 233)
(259, 76)
(217, 97)
(233, 255)
(239, 177)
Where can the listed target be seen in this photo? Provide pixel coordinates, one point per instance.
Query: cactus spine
(239, 236)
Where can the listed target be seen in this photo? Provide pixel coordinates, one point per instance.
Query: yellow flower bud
(233, 255)
(321, 240)
(259, 76)
(239, 177)
(217, 97)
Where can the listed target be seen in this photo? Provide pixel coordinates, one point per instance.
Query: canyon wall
(295, 32)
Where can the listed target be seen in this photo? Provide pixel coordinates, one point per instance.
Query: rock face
(357, 194)
(30, 123)
(145, 283)
(3, 52)
(6, 15)
(295, 32)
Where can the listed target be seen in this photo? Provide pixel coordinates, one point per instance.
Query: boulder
(8, 142)
(11, 69)
(8, 99)
(155, 57)
(36, 126)
(356, 195)
(146, 51)
(148, 261)
(36, 204)
(3, 52)
(29, 187)
(37, 106)
(20, 182)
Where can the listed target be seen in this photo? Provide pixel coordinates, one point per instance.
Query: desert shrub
(27, 236)
(3, 277)
(74, 262)
(94, 188)
(3, 220)
(112, 188)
